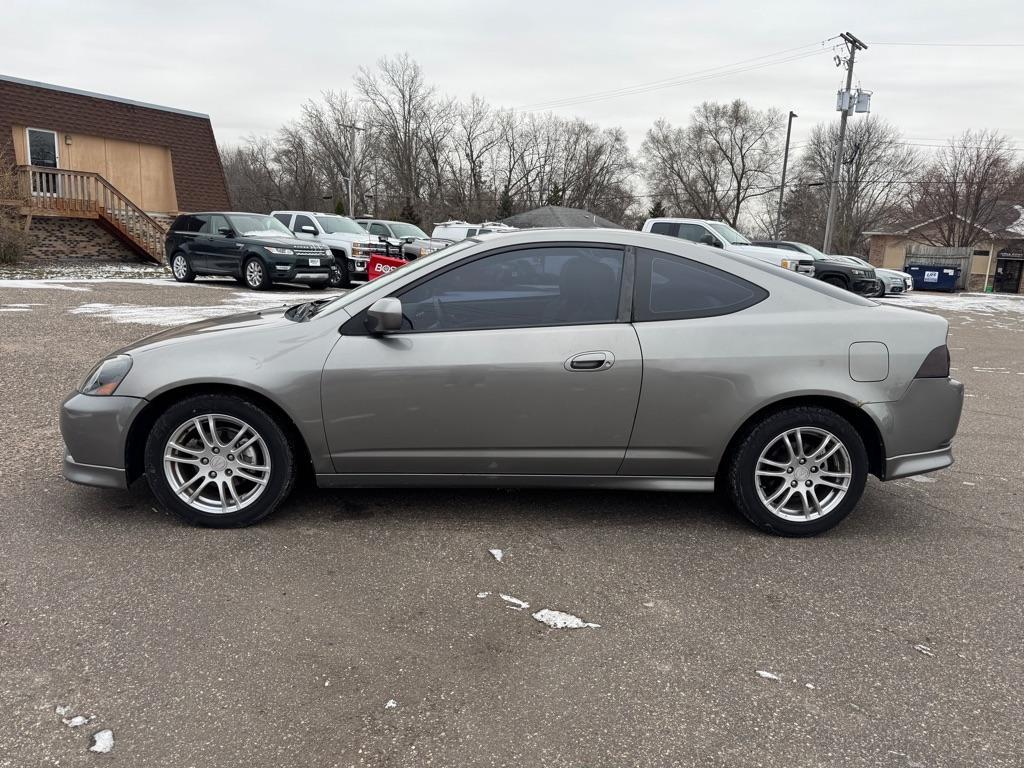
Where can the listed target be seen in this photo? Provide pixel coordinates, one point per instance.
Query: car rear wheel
(798, 472)
(181, 269)
(219, 460)
(881, 290)
(254, 274)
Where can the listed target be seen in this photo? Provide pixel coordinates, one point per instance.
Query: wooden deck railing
(82, 194)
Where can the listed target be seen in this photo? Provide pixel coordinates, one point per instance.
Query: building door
(1008, 274)
(42, 153)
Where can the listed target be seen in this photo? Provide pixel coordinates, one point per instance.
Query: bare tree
(963, 187)
(728, 155)
(873, 183)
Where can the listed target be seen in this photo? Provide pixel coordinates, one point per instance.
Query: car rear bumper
(95, 430)
(917, 430)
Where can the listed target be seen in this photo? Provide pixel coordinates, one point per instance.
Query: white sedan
(892, 280)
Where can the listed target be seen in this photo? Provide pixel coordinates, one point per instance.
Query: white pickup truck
(350, 243)
(721, 235)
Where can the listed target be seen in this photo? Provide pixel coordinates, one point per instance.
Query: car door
(224, 251)
(201, 245)
(516, 362)
(301, 220)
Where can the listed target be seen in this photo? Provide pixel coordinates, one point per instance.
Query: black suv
(255, 249)
(834, 269)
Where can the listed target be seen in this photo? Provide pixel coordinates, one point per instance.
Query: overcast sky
(250, 64)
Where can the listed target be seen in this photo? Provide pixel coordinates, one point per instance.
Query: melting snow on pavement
(390, 704)
(984, 303)
(76, 721)
(561, 620)
(103, 741)
(498, 554)
(514, 602)
(768, 675)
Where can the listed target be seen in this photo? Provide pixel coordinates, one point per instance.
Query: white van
(720, 235)
(459, 230)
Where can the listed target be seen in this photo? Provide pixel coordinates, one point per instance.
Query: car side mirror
(709, 240)
(410, 240)
(384, 316)
(308, 230)
(226, 231)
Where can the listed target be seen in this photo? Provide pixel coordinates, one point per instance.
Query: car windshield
(257, 225)
(334, 224)
(401, 229)
(728, 234)
(811, 251)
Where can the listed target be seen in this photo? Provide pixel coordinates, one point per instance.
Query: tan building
(994, 263)
(100, 175)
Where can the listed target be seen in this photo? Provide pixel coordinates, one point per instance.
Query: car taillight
(936, 365)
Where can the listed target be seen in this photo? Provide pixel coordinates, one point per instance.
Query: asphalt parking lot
(350, 630)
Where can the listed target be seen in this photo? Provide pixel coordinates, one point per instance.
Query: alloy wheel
(254, 273)
(217, 464)
(803, 474)
(180, 267)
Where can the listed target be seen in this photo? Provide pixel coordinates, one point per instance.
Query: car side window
(206, 225)
(695, 233)
(670, 287)
(378, 229)
(526, 287)
(284, 218)
(665, 228)
(215, 224)
(303, 221)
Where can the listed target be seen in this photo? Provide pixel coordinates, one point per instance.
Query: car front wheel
(219, 460)
(799, 471)
(254, 274)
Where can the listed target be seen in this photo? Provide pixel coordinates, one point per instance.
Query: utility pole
(351, 163)
(853, 45)
(785, 162)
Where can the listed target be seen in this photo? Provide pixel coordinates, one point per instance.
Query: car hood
(891, 273)
(276, 242)
(760, 252)
(347, 237)
(242, 323)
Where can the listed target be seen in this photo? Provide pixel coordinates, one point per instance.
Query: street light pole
(785, 162)
(351, 162)
(853, 45)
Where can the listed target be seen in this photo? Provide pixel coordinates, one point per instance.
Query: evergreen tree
(339, 207)
(657, 211)
(408, 213)
(555, 194)
(505, 204)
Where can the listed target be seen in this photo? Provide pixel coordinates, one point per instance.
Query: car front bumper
(917, 430)
(95, 432)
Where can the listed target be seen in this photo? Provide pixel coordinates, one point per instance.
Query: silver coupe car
(558, 358)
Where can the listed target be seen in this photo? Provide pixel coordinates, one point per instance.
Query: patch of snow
(514, 602)
(768, 675)
(15, 309)
(809, 685)
(967, 483)
(76, 721)
(103, 741)
(498, 554)
(922, 479)
(924, 649)
(390, 704)
(1018, 225)
(560, 620)
(648, 604)
(21, 284)
(982, 303)
(62, 709)
(482, 595)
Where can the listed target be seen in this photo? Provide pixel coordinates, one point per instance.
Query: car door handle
(590, 361)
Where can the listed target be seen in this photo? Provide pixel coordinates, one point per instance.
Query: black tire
(255, 274)
(181, 269)
(880, 293)
(838, 282)
(275, 441)
(343, 279)
(742, 481)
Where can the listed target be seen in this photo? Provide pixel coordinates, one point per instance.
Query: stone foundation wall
(58, 239)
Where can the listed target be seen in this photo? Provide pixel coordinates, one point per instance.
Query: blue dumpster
(934, 277)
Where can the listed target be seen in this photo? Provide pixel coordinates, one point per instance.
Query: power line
(960, 45)
(744, 65)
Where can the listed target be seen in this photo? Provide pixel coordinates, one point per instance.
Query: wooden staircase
(85, 195)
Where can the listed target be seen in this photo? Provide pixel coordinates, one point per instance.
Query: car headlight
(859, 272)
(104, 379)
(280, 251)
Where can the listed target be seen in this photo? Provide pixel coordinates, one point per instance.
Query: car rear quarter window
(189, 223)
(521, 288)
(671, 287)
(669, 228)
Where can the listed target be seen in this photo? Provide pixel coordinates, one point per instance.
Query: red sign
(381, 265)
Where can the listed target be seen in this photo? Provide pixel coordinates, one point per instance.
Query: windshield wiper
(304, 311)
